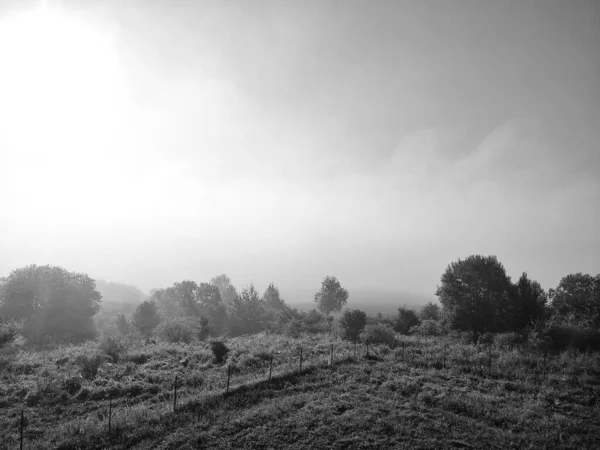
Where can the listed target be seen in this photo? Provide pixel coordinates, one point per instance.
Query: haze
(151, 142)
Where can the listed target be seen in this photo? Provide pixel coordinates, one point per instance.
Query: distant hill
(372, 301)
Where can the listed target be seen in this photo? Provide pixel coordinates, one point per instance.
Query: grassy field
(394, 398)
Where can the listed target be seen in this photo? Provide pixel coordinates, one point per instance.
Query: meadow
(422, 392)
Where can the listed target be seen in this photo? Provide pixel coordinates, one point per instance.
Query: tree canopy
(51, 301)
(578, 296)
(332, 296)
(476, 295)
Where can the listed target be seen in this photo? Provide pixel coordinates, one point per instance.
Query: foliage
(428, 327)
(89, 365)
(247, 312)
(476, 295)
(122, 324)
(378, 334)
(272, 298)
(578, 295)
(219, 350)
(431, 311)
(8, 332)
(212, 308)
(314, 322)
(146, 317)
(51, 301)
(405, 320)
(226, 289)
(352, 323)
(331, 297)
(113, 346)
(175, 330)
(531, 302)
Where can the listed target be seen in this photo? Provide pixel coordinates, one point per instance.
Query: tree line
(476, 296)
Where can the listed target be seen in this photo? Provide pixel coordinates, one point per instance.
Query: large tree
(578, 297)
(475, 294)
(51, 301)
(332, 296)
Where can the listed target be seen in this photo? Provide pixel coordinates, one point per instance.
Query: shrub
(8, 333)
(112, 346)
(138, 358)
(89, 366)
(352, 323)
(583, 339)
(176, 330)
(405, 320)
(72, 385)
(293, 328)
(219, 350)
(510, 340)
(428, 328)
(378, 334)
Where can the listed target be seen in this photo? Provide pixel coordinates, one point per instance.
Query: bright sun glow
(60, 99)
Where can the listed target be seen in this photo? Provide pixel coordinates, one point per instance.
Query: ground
(406, 397)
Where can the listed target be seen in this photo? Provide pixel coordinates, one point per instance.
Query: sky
(375, 141)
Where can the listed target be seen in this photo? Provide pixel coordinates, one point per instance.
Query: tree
(475, 295)
(332, 296)
(247, 312)
(352, 323)
(146, 317)
(578, 295)
(272, 298)
(405, 320)
(51, 301)
(211, 307)
(122, 324)
(226, 289)
(431, 311)
(531, 301)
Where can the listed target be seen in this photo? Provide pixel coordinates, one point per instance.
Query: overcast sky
(376, 141)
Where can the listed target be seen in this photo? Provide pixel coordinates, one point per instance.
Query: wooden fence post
(403, 351)
(109, 414)
(354, 348)
(300, 360)
(228, 376)
(490, 360)
(21, 429)
(331, 356)
(270, 367)
(175, 395)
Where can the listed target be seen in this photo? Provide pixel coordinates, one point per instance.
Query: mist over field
(150, 142)
(299, 224)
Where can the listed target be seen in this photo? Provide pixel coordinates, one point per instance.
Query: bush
(562, 338)
(428, 328)
(352, 323)
(294, 328)
(89, 366)
(508, 341)
(72, 385)
(405, 320)
(112, 346)
(378, 334)
(219, 350)
(176, 330)
(8, 333)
